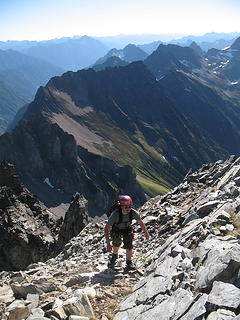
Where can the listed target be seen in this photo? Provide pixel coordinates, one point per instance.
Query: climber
(119, 227)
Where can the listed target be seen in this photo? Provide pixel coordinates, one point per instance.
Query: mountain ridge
(20, 77)
(88, 110)
(131, 115)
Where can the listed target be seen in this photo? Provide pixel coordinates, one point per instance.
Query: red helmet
(125, 200)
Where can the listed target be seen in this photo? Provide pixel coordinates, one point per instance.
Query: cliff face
(126, 115)
(43, 152)
(26, 229)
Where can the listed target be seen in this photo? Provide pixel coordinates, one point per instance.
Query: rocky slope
(191, 262)
(225, 63)
(204, 87)
(194, 274)
(55, 168)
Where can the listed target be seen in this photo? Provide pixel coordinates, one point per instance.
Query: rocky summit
(189, 269)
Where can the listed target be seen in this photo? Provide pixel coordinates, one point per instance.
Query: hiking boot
(113, 259)
(129, 265)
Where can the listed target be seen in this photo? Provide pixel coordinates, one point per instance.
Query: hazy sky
(47, 19)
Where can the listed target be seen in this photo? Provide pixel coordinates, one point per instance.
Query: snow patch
(160, 78)
(47, 181)
(225, 62)
(177, 159)
(186, 63)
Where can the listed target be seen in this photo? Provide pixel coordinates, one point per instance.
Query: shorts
(118, 236)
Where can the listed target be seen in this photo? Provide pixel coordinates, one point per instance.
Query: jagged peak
(131, 46)
(236, 44)
(197, 49)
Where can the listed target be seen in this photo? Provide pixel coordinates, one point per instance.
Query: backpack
(115, 206)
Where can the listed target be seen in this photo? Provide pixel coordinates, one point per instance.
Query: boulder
(224, 295)
(75, 220)
(17, 310)
(222, 314)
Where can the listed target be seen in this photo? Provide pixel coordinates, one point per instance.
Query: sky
(48, 19)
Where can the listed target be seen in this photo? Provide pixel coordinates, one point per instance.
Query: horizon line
(181, 35)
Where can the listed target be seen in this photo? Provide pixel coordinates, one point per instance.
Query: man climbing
(119, 227)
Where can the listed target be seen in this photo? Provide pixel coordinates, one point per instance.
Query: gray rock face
(222, 314)
(221, 262)
(194, 273)
(75, 220)
(26, 230)
(224, 295)
(44, 150)
(191, 268)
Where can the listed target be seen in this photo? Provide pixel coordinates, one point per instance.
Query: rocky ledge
(191, 263)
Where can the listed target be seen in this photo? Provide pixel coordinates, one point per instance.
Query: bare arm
(142, 225)
(107, 230)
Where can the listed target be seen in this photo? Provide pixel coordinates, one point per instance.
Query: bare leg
(129, 254)
(115, 250)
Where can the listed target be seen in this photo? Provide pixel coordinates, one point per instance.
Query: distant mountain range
(71, 54)
(208, 41)
(20, 76)
(66, 53)
(130, 53)
(205, 42)
(121, 41)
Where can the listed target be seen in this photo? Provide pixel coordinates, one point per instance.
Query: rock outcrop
(191, 262)
(75, 220)
(28, 231)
